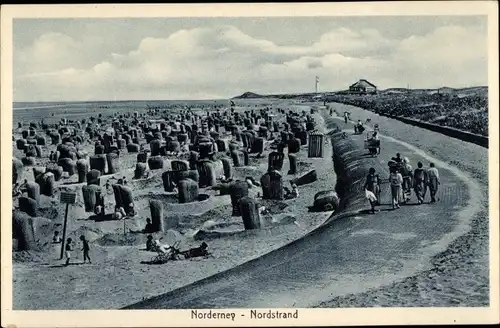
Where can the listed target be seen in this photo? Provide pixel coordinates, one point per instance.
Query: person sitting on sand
(98, 210)
(249, 183)
(292, 194)
(149, 226)
(15, 190)
(131, 210)
(196, 251)
(108, 185)
(56, 239)
(160, 247)
(24, 186)
(119, 213)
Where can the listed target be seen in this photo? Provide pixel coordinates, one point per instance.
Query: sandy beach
(116, 276)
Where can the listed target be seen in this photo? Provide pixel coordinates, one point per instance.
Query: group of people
(402, 179)
(68, 248)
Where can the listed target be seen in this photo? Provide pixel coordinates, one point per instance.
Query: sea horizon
(17, 104)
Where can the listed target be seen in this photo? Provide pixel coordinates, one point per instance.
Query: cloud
(223, 61)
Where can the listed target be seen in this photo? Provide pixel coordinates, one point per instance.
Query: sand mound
(136, 239)
(243, 172)
(273, 206)
(50, 213)
(90, 233)
(119, 239)
(164, 198)
(303, 166)
(212, 225)
(207, 235)
(152, 182)
(219, 215)
(27, 256)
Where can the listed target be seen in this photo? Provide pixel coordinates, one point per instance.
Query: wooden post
(64, 231)
(66, 198)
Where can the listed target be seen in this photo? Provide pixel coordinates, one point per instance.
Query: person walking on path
(85, 249)
(373, 184)
(376, 138)
(420, 182)
(407, 173)
(396, 180)
(398, 158)
(68, 249)
(433, 181)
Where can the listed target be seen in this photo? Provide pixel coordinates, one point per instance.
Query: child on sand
(68, 250)
(56, 239)
(85, 249)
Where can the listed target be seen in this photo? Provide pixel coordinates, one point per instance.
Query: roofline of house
(371, 84)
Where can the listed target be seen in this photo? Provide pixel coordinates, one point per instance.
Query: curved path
(350, 254)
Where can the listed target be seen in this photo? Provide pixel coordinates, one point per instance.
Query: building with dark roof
(363, 86)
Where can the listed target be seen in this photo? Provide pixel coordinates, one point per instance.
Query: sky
(218, 58)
